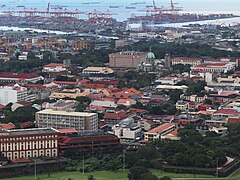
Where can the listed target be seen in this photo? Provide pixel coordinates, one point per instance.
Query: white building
(81, 121)
(186, 61)
(12, 94)
(54, 67)
(214, 68)
(168, 80)
(127, 132)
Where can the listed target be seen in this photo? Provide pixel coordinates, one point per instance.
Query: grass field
(101, 175)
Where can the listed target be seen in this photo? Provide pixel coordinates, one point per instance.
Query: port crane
(172, 9)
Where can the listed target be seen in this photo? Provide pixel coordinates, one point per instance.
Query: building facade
(127, 59)
(29, 143)
(12, 94)
(81, 121)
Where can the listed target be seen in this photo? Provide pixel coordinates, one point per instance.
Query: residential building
(29, 143)
(127, 59)
(159, 131)
(83, 122)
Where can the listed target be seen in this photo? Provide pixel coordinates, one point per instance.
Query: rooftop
(161, 128)
(65, 113)
(33, 131)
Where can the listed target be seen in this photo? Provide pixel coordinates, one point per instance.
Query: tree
(136, 172)
(83, 99)
(91, 177)
(175, 95)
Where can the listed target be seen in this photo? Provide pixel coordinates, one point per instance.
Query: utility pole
(83, 166)
(35, 169)
(217, 169)
(124, 158)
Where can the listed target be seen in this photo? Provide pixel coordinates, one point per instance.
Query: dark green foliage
(91, 177)
(21, 114)
(165, 109)
(181, 68)
(64, 78)
(140, 173)
(135, 79)
(83, 103)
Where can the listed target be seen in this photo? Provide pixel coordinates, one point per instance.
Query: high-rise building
(83, 122)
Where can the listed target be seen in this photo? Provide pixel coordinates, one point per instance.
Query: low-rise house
(159, 131)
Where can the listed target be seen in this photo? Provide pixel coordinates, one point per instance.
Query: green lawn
(102, 175)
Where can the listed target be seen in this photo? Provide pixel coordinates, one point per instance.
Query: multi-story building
(186, 60)
(21, 78)
(127, 59)
(213, 68)
(83, 122)
(158, 131)
(12, 94)
(81, 44)
(29, 143)
(54, 67)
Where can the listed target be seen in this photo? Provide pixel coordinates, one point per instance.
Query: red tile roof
(7, 126)
(227, 112)
(68, 131)
(137, 110)
(54, 65)
(161, 127)
(23, 160)
(233, 120)
(119, 115)
(24, 103)
(17, 75)
(65, 82)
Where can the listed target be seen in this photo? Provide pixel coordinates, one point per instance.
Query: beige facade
(81, 121)
(127, 59)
